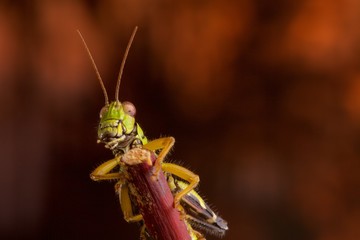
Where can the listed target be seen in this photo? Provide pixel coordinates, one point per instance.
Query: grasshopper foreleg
(103, 172)
(163, 144)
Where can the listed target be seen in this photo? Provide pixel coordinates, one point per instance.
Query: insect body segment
(118, 129)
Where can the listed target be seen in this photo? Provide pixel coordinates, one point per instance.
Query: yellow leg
(182, 173)
(143, 234)
(102, 172)
(161, 143)
(198, 235)
(125, 202)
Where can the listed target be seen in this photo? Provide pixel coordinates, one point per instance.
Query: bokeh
(263, 98)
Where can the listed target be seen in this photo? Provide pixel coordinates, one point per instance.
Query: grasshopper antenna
(96, 70)
(123, 64)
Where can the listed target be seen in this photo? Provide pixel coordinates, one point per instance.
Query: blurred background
(263, 98)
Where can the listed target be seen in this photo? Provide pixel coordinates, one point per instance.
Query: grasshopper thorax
(118, 129)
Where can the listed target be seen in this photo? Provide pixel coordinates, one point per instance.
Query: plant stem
(154, 197)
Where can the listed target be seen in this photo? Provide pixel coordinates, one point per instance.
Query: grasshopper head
(117, 127)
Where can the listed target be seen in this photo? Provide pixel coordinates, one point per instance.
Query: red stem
(154, 197)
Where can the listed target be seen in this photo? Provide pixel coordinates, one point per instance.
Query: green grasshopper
(119, 132)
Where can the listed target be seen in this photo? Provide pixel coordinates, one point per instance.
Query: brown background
(263, 98)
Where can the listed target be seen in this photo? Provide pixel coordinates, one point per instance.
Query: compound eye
(129, 108)
(103, 111)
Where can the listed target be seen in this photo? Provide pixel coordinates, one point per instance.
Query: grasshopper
(120, 133)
